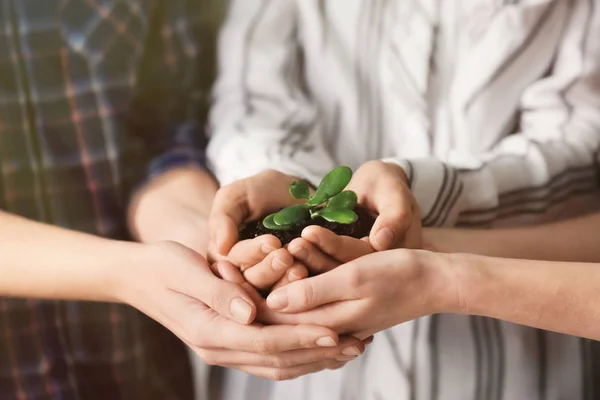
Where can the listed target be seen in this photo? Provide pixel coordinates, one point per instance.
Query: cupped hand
(175, 286)
(263, 260)
(383, 189)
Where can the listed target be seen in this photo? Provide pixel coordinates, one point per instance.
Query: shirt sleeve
(175, 73)
(552, 158)
(262, 117)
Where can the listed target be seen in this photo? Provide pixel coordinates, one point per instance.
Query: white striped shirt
(491, 106)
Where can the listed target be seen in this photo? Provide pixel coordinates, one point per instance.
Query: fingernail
(301, 253)
(277, 300)
(351, 351)
(278, 264)
(326, 342)
(241, 310)
(384, 238)
(308, 233)
(267, 249)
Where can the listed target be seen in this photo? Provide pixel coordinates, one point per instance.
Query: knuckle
(262, 346)
(302, 340)
(225, 192)
(217, 299)
(279, 375)
(198, 338)
(403, 215)
(354, 278)
(307, 296)
(278, 362)
(208, 358)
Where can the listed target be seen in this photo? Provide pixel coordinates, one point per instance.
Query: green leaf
(344, 201)
(292, 215)
(340, 216)
(300, 190)
(269, 223)
(333, 183)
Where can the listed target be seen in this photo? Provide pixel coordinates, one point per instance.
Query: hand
(175, 286)
(383, 188)
(322, 250)
(262, 260)
(369, 294)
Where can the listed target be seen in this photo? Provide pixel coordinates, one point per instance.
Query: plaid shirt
(75, 136)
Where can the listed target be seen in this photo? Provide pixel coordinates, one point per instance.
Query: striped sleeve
(553, 157)
(262, 117)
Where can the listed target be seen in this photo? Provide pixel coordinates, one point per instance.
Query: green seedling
(330, 202)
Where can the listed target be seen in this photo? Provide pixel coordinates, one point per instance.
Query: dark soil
(359, 229)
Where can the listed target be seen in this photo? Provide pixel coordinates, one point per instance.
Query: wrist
(154, 206)
(470, 278)
(443, 282)
(134, 260)
(99, 275)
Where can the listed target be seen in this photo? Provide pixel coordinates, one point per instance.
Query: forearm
(157, 210)
(42, 261)
(560, 297)
(570, 240)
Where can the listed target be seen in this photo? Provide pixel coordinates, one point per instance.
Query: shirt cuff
(184, 157)
(437, 187)
(184, 148)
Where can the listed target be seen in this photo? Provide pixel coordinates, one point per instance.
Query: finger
(213, 254)
(311, 256)
(267, 272)
(310, 293)
(228, 272)
(244, 200)
(344, 317)
(273, 339)
(250, 252)
(283, 374)
(348, 349)
(226, 298)
(395, 211)
(230, 208)
(342, 248)
(232, 274)
(296, 272)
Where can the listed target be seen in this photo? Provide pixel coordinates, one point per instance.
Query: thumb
(394, 220)
(230, 208)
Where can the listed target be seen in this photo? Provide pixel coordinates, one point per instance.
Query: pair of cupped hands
(327, 294)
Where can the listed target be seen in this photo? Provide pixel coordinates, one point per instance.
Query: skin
(175, 207)
(168, 279)
(263, 261)
(380, 290)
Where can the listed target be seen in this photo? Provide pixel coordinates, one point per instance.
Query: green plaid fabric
(76, 135)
